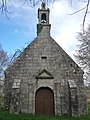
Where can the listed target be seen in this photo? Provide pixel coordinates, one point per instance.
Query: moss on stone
(39, 28)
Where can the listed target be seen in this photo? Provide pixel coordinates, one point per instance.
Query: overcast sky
(18, 31)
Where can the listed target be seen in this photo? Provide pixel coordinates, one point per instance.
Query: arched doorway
(44, 102)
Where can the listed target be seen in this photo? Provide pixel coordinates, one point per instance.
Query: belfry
(43, 17)
(43, 79)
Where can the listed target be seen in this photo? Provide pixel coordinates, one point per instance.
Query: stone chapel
(43, 79)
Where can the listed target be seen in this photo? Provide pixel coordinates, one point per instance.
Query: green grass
(7, 116)
(88, 100)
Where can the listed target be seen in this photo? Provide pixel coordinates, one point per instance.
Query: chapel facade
(43, 79)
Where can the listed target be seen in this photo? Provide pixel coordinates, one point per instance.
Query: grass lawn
(7, 116)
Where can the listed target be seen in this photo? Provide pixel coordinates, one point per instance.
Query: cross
(43, 3)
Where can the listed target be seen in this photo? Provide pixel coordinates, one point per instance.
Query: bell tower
(43, 17)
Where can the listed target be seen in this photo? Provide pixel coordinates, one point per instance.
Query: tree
(83, 52)
(3, 61)
(4, 4)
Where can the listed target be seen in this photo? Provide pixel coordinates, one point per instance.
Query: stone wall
(44, 64)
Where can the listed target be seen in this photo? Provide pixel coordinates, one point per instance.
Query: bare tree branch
(78, 11)
(86, 8)
(3, 61)
(23, 3)
(4, 7)
(16, 54)
(83, 52)
(86, 13)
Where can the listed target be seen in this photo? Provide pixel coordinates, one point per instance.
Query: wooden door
(44, 102)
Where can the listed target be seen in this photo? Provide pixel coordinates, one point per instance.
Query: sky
(20, 29)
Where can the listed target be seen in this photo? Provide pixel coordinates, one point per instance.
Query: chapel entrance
(44, 102)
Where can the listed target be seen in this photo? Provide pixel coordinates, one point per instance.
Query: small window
(71, 65)
(44, 57)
